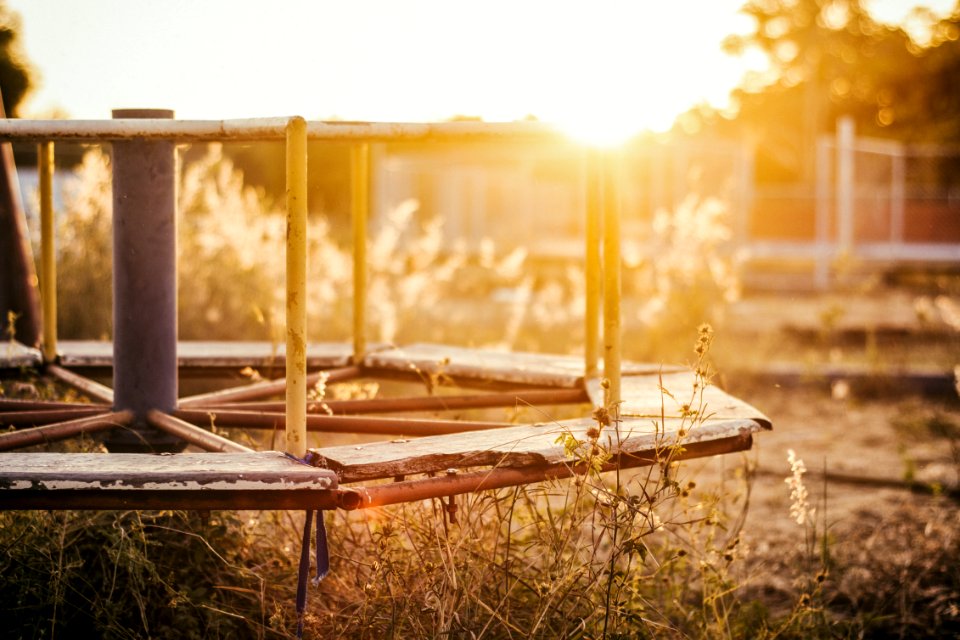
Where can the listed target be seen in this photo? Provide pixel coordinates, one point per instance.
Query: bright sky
(597, 66)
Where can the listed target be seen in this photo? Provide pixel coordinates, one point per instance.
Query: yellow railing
(48, 257)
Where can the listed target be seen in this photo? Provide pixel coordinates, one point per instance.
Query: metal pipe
(359, 209)
(42, 405)
(194, 435)
(256, 129)
(497, 478)
(18, 282)
(266, 389)
(338, 424)
(173, 499)
(612, 340)
(63, 430)
(296, 358)
(592, 267)
(144, 284)
(48, 285)
(47, 416)
(88, 387)
(422, 403)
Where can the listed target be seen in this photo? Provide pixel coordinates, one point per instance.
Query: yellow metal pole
(296, 418)
(594, 276)
(611, 278)
(48, 285)
(360, 205)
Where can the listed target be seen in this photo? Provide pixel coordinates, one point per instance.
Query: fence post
(144, 285)
(845, 184)
(898, 180)
(822, 216)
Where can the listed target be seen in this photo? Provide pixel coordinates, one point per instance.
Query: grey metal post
(822, 218)
(845, 184)
(144, 285)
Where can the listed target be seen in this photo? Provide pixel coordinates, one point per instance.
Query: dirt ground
(883, 464)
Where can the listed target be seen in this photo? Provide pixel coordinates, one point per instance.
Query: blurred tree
(16, 74)
(830, 58)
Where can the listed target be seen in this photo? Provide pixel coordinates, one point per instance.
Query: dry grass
(698, 550)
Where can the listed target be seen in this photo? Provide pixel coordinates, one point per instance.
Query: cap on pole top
(142, 113)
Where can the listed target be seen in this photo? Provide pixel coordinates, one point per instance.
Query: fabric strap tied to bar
(322, 554)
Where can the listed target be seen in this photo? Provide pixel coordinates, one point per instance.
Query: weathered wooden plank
(527, 445)
(212, 354)
(267, 470)
(673, 395)
(14, 355)
(482, 364)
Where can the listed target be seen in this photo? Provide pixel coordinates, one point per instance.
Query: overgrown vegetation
(660, 552)
(232, 269)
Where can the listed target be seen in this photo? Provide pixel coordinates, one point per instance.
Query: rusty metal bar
(47, 416)
(260, 390)
(359, 209)
(88, 387)
(42, 405)
(343, 498)
(63, 430)
(169, 499)
(497, 478)
(296, 357)
(423, 403)
(194, 435)
(18, 277)
(593, 265)
(255, 129)
(612, 340)
(338, 424)
(48, 256)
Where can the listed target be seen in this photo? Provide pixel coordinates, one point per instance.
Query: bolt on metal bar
(359, 209)
(64, 430)
(612, 340)
(194, 435)
(48, 285)
(255, 129)
(593, 265)
(296, 359)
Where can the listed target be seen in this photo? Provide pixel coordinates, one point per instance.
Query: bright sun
(602, 74)
(603, 71)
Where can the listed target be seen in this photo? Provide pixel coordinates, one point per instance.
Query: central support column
(144, 286)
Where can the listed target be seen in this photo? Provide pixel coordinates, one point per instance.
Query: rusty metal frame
(602, 266)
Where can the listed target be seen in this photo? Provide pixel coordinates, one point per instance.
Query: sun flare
(602, 71)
